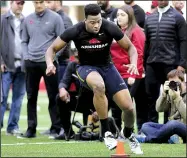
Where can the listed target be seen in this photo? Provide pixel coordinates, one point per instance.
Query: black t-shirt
(139, 15)
(93, 49)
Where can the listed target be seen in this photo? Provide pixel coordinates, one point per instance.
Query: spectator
(138, 12)
(172, 100)
(12, 65)
(39, 31)
(68, 100)
(154, 6)
(64, 54)
(179, 5)
(126, 21)
(108, 12)
(165, 50)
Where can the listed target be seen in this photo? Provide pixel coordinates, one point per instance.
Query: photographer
(173, 101)
(67, 99)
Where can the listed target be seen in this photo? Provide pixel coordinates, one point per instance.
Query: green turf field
(41, 146)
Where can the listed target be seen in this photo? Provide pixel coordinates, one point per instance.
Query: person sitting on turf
(173, 101)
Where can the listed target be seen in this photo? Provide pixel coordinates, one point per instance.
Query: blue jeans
(17, 80)
(160, 133)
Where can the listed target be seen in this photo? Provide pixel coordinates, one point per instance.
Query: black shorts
(112, 79)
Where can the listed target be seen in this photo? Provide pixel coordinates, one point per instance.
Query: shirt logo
(46, 22)
(94, 41)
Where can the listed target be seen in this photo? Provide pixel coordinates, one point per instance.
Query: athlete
(93, 38)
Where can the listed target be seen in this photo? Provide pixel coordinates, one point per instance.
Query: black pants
(137, 90)
(34, 72)
(84, 106)
(156, 74)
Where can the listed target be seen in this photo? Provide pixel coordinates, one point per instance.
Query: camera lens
(173, 85)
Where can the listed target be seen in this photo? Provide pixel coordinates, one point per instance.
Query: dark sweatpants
(156, 74)
(34, 72)
(84, 106)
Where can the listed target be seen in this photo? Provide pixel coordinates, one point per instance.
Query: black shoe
(28, 134)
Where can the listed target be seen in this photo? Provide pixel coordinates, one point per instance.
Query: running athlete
(93, 38)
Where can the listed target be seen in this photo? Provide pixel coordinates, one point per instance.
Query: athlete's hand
(64, 95)
(51, 69)
(132, 69)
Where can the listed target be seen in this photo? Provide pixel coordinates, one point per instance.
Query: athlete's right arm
(59, 43)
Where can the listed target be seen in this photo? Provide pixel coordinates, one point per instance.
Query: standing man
(107, 11)
(138, 12)
(39, 31)
(165, 50)
(12, 64)
(64, 54)
(93, 38)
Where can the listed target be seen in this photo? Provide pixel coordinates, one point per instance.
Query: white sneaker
(133, 143)
(110, 142)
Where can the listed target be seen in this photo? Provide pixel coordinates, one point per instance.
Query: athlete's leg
(117, 88)
(123, 99)
(91, 79)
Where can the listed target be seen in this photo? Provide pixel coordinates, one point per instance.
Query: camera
(82, 134)
(174, 85)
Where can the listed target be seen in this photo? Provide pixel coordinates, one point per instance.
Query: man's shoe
(110, 141)
(28, 134)
(174, 139)
(133, 143)
(13, 132)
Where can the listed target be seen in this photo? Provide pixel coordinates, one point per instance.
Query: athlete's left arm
(126, 44)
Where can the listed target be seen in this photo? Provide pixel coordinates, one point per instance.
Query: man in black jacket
(108, 12)
(165, 50)
(138, 12)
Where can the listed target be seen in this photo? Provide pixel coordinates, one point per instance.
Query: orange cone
(120, 150)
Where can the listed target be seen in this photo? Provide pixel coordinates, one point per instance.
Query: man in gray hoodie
(39, 31)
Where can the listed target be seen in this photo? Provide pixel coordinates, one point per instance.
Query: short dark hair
(176, 73)
(92, 9)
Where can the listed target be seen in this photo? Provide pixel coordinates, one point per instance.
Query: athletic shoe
(133, 143)
(110, 141)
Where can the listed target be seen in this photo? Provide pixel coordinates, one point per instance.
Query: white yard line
(42, 143)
